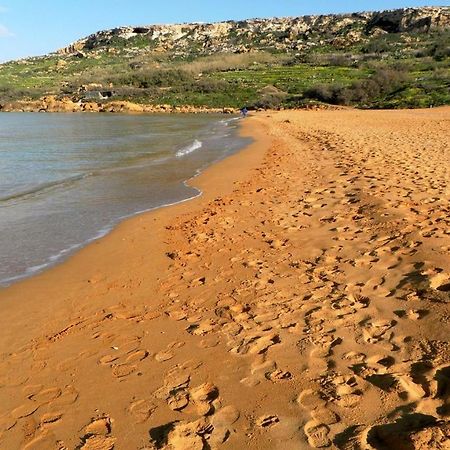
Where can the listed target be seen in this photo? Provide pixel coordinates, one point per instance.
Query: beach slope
(301, 302)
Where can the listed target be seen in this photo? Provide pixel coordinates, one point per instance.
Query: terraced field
(394, 71)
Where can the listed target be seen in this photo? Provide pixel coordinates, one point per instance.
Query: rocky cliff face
(282, 34)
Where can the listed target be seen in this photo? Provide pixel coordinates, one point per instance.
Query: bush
(207, 86)
(340, 60)
(438, 50)
(270, 98)
(334, 59)
(382, 44)
(160, 78)
(269, 101)
(383, 82)
(232, 61)
(328, 93)
(8, 94)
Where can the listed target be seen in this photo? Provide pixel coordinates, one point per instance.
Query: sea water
(67, 179)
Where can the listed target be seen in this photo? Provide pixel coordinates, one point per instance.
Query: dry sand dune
(302, 302)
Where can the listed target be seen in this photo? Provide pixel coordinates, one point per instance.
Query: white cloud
(4, 32)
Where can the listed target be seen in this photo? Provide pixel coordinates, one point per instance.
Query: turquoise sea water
(66, 179)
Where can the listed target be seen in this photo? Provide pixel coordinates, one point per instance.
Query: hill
(396, 58)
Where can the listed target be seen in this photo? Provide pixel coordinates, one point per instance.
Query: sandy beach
(301, 302)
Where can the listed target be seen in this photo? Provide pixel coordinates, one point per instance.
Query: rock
(283, 34)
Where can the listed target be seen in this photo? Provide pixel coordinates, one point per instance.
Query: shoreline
(51, 104)
(73, 267)
(67, 252)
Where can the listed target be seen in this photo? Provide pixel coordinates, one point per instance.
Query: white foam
(63, 254)
(189, 149)
(227, 121)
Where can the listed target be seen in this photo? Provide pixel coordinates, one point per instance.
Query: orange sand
(301, 302)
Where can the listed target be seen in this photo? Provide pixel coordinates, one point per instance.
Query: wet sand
(301, 302)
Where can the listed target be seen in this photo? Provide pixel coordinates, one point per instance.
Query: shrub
(8, 94)
(206, 86)
(328, 93)
(333, 59)
(439, 49)
(270, 98)
(149, 78)
(383, 82)
(340, 60)
(382, 44)
(231, 61)
(269, 101)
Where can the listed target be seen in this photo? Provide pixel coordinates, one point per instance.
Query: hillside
(397, 58)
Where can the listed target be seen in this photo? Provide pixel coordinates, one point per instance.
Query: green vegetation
(389, 71)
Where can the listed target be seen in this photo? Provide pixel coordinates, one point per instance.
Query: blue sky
(34, 27)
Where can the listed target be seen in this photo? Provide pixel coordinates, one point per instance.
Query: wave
(189, 149)
(43, 187)
(61, 255)
(227, 121)
(145, 161)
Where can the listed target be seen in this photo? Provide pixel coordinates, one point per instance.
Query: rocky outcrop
(406, 20)
(52, 103)
(283, 34)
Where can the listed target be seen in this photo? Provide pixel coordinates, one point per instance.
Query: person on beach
(244, 112)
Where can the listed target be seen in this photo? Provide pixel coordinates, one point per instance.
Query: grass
(293, 79)
(265, 79)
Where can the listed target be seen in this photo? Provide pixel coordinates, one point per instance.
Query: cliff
(281, 34)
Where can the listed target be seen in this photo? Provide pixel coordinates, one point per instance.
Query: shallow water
(66, 179)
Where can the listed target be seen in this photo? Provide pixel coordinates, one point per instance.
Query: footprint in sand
(50, 418)
(31, 389)
(347, 391)
(98, 435)
(137, 356)
(209, 342)
(164, 355)
(267, 421)
(440, 282)
(168, 353)
(178, 399)
(279, 375)
(413, 390)
(202, 396)
(411, 314)
(354, 357)
(24, 410)
(317, 434)
(68, 397)
(123, 370)
(6, 423)
(226, 416)
(325, 416)
(108, 359)
(141, 410)
(43, 439)
(256, 343)
(373, 332)
(46, 395)
(222, 422)
(181, 435)
(175, 390)
(202, 328)
(311, 399)
(411, 431)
